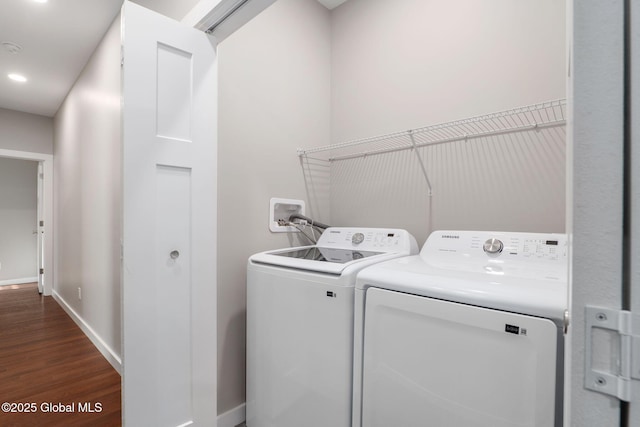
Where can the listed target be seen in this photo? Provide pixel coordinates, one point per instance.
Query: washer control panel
(372, 239)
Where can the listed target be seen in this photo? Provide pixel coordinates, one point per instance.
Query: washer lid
(322, 260)
(316, 253)
(528, 276)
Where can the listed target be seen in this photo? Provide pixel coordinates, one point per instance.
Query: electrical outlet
(79, 293)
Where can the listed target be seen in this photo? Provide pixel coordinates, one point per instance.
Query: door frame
(595, 178)
(46, 204)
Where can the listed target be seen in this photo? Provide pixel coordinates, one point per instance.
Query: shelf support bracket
(419, 157)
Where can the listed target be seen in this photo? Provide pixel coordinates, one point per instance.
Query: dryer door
(437, 363)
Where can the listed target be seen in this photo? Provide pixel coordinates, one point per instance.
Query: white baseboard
(233, 417)
(102, 347)
(18, 281)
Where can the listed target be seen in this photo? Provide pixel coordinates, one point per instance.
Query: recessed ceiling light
(17, 77)
(40, 1)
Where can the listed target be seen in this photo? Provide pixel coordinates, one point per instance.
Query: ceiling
(55, 40)
(330, 4)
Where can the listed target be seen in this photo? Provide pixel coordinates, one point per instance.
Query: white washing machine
(300, 326)
(469, 333)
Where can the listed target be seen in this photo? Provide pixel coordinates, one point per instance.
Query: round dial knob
(493, 246)
(357, 238)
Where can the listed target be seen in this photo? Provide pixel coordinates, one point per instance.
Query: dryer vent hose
(310, 221)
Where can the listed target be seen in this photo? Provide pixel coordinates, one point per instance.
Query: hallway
(49, 368)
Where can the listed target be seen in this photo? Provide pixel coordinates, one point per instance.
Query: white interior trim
(207, 12)
(233, 417)
(47, 207)
(18, 281)
(102, 347)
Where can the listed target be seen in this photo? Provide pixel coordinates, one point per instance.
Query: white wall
(18, 220)
(25, 132)
(87, 203)
(411, 63)
(405, 64)
(274, 97)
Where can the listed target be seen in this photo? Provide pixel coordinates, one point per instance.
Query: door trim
(47, 207)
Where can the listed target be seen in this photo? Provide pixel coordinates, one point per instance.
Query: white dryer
(300, 326)
(469, 333)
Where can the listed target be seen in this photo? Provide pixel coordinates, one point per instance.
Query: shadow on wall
(508, 182)
(233, 357)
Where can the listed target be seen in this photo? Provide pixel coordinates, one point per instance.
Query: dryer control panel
(494, 244)
(536, 246)
(499, 253)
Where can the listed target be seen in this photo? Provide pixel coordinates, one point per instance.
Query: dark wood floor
(46, 360)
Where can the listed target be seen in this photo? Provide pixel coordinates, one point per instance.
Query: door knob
(174, 254)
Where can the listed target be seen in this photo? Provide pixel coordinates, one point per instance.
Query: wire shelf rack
(541, 115)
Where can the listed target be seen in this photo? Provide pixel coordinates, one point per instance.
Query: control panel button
(357, 238)
(493, 246)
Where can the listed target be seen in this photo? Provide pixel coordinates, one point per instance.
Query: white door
(40, 227)
(430, 362)
(169, 222)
